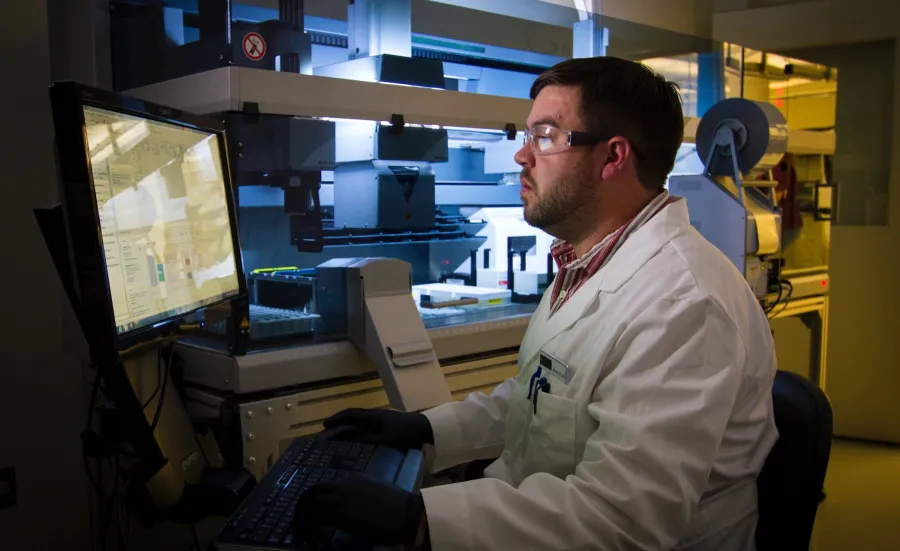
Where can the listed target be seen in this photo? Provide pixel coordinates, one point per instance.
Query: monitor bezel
(79, 204)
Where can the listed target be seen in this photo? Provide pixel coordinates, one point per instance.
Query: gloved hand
(377, 512)
(397, 429)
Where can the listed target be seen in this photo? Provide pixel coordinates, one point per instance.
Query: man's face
(557, 185)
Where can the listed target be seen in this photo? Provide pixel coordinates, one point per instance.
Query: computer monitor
(150, 213)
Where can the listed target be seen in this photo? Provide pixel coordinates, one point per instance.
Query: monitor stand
(191, 482)
(175, 477)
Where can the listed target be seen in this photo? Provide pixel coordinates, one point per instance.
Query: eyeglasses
(545, 139)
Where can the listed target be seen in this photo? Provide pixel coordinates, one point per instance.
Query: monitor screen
(164, 220)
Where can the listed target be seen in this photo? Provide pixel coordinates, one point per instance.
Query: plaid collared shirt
(574, 272)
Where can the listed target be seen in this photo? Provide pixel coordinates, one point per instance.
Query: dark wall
(42, 406)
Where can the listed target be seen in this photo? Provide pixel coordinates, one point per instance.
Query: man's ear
(618, 151)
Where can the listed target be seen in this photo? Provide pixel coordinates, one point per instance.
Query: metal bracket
(302, 203)
(251, 109)
(726, 144)
(397, 124)
(510, 131)
(825, 214)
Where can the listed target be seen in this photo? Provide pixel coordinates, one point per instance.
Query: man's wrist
(424, 429)
(422, 539)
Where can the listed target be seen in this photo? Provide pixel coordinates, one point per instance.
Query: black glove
(397, 429)
(374, 511)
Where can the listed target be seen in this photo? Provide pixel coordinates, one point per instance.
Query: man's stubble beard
(562, 209)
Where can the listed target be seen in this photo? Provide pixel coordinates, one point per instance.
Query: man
(641, 415)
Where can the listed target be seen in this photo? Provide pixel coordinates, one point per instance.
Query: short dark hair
(628, 99)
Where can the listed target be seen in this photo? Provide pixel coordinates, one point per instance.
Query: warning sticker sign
(254, 46)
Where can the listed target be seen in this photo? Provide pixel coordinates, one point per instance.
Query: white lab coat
(655, 442)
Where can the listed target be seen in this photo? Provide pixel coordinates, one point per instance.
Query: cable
(202, 451)
(112, 507)
(782, 298)
(104, 523)
(196, 544)
(89, 430)
(111, 503)
(162, 392)
(158, 380)
(768, 309)
(790, 292)
(182, 330)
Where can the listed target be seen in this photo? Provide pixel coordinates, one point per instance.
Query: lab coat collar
(643, 244)
(636, 251)
(542, 329)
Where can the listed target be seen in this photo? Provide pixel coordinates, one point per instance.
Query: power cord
(162, 391)
(95, 446)
(782, 283)
(196, 540)
(88, 433)
(113, 508)
(159, 380)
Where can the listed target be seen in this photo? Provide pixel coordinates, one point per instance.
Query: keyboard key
(270, 522)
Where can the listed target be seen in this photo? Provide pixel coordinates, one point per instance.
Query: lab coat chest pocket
(550, 444)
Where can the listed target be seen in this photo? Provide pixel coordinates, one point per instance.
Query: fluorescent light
(96, 135)
(132, 136)
(102, 155)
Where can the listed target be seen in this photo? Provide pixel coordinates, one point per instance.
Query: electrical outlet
(7, 487)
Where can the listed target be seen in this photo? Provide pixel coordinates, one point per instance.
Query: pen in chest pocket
(534, 378)
(543, 385)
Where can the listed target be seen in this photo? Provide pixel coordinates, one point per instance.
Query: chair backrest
(790, 484)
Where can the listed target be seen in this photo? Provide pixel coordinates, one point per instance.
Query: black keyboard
(265, 519)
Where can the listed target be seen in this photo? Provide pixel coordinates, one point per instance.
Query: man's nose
(524, 156)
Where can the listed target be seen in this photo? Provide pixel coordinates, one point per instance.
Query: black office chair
(790, 484)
